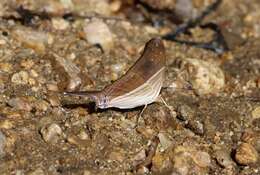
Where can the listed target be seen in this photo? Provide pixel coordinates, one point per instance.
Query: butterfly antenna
(93, 95)
(78, 93)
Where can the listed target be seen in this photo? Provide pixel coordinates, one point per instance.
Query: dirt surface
(212, 129)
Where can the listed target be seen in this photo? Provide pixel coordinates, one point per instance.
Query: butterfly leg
(160, 99)
(139, 116)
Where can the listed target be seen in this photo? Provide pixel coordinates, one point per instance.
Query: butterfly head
(101, 100)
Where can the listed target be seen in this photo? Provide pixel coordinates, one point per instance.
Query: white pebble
(21, 77)
(97, 32)
(59, 24)
(51, 133)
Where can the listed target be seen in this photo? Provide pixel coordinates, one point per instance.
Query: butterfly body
(141, 84)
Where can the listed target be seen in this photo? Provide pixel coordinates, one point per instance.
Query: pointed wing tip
(156, 41)
(156, 44)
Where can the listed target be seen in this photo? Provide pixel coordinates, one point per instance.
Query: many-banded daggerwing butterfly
(141, 84)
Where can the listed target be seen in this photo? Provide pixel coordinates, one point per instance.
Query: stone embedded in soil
(6, 67)
(21, 77)
(37, 40)
(165, 140)
(206, 77)
(182, 160)
(196, 126)
(72, 70)
(51, 133)
(184, 9)
(59, 23)
(2, 144)
(6, 124)
(223, 158)
(41, 105)
(117, 69)
(249, 137)
(139, 157)
(52, 87)
(20, 103)
(53, 100)
(185, 113)
(246, 154)
(83, 135)
(256, 113)
(115, 5)
(188, 160)
(202, 159)
(97, 32)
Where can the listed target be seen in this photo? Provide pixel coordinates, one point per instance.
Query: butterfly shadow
(90, 107)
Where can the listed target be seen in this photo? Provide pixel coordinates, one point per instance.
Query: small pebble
(2, 42)
(202, 159)
(256, 113)
(72, 70)
(83, 135)
(27, 64)
(51, 133)
(33, 73)
(54, 100)
(33, 39)
(165, 140)
(185, 113)
(196, 126)
(52, 87)
(249, 137)
(139, 157)
(2, 144)
(205, 77)
(97, 32)
(31, 81)
(6, 124)
(188, 158)
(184, 9)
(6, 67)
(59, 23)
(41, 105)
(115, 5)
(21, 77)
(223, 158)
(20, 103)
(246, 154)
(117, 70)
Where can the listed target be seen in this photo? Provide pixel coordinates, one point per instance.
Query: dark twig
(217, 44)
(192, 22)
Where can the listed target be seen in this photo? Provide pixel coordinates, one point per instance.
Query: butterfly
(139, 86)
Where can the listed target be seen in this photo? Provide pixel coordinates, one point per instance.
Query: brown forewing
(151, 61)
